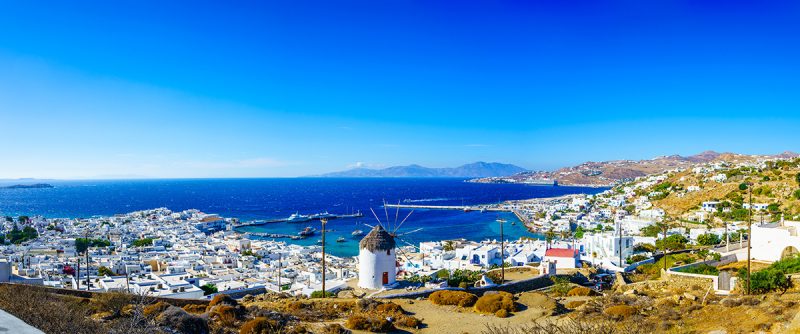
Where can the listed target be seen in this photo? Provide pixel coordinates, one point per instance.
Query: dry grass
(260, 325)
(494, 302)
(447, 297)
(375, 324)
(579, 291)
(620, 311)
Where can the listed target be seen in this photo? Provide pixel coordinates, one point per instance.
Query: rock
(677, 298)
(690, 296)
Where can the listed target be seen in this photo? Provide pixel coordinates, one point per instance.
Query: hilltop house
(564, 258)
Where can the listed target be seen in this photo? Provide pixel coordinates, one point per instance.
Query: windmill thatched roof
(377, 240)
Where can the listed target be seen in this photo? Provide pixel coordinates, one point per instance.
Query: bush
(195, 308)
(575, 304)
(493, 302)
(226, 315)
(579, 291)
(333, 329)
(112, 302)
(766, 280)
(501, 313)
(408, 321)
(176, 318)
(318, 294)
(702, 269)
(260, 325)
(389, 309)
(223, 299)
(560, 285)
(447, 297)
(372, 324)
(155, 309)
(620, 311)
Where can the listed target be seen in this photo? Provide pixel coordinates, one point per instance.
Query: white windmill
(377, 253)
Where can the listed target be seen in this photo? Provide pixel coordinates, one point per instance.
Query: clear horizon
(132, 89)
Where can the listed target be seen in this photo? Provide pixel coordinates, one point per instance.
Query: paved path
(10, 324)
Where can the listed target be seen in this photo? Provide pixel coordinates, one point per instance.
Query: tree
(105, 271)
(708, 239)
(797, 178)
(449, 246)
(673, 242)
(549, 236)
(650, 230)
(208, 289)
(579, 232)
(318, 294)
(142, 242)
(23, 219)
(743, 186)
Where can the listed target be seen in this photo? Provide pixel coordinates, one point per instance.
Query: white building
(772, 242)
(564, 258)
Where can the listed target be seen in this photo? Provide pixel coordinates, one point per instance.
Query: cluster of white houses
(189, 250)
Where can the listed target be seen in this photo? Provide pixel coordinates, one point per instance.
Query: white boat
(341, 239)
(307, 232)
(357, 233)
(297, 218)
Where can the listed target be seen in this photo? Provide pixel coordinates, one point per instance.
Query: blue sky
(102, 89)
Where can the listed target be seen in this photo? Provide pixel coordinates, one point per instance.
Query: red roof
(561, 252)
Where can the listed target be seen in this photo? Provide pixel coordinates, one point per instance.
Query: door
(385, 278)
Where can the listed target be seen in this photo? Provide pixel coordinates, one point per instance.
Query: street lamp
(749, 231)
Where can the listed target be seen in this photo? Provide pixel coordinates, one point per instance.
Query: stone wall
(89, 294)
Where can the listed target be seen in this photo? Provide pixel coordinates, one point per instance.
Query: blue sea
(255, 199)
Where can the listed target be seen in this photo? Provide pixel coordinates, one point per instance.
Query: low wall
(531, 284)
(90, 294)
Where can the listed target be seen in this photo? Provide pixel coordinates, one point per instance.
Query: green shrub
(447, 297)
(318, 294)
(702, 269)
(561, 285)
(765, 280)
(368, 323)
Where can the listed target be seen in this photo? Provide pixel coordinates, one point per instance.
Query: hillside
(774, 182)
(608, 173)
(477, 169)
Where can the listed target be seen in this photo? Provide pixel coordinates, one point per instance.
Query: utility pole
(749, 230)
(619, 226)
(324, 221)
(664, 228)
(280, 268)
(502, 253)
(87, 261)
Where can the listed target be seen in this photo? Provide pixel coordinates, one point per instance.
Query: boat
(308, 231)
(341, 239)
(319, 241)
(357, 233)
(297, 218)
(323, 215)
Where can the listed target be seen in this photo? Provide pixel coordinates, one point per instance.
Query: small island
(29, 186)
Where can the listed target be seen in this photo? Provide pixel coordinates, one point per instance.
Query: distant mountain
(608, 173)
(477, 169)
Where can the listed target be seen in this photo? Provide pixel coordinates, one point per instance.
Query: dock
(465, 208)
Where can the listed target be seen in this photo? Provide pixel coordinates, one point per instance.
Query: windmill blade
(386, 211)
(376, 217)
(409, 232)
(404, 220)
(410, 244)
(396, 214)
(368, 225)
(399, 250)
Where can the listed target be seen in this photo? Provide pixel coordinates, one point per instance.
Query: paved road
(11, 325)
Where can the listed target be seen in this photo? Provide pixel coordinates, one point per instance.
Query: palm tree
(549, 236)
(449, 245)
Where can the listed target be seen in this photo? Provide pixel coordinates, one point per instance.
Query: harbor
(298, 218)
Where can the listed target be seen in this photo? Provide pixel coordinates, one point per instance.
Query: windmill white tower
(377, 259)
(377, 254)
